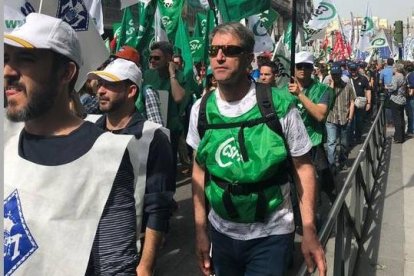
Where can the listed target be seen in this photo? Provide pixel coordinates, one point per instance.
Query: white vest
(51, 213)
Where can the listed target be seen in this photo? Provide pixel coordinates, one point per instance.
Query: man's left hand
(313, 252)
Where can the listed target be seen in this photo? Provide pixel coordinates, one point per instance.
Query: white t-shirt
(281, 221)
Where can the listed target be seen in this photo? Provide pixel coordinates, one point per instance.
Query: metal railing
(354, 202)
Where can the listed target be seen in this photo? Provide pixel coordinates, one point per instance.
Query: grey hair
(245, 35)
(399, 67)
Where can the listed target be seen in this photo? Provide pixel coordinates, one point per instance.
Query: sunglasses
(301, 66)
(228, 50)
(156, 58)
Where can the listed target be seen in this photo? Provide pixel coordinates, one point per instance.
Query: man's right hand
(203, 252)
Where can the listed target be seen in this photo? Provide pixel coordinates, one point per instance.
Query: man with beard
(118, 87)
(69, 187)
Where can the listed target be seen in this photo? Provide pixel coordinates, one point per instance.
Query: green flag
(268, 18)
(197, 48)
(234, 10)
(200, 25)
(182, 42)
(170, 14)
(287, 40)
(145, 36)
(129, 29)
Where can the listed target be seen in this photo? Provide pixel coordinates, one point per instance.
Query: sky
(389, 9)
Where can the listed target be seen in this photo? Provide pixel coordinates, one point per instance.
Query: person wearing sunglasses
(164, 77)
(236, 165)
(314, 100)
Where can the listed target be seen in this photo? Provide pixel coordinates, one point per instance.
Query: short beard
(38, 104)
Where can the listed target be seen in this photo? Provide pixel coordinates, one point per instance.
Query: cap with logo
(119, 70)
(304, 57)
(129, 53)
(336, 68)
(46, 32)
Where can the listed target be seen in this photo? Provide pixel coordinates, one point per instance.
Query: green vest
(153, 79)
(219, 152)
(314, 128)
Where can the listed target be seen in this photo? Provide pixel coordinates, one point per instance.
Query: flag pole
(213, 7)
(293, 42)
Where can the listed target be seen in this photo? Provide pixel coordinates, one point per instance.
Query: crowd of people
(100, 166)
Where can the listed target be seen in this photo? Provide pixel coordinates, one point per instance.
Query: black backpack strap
(202, 115)
(267, 109)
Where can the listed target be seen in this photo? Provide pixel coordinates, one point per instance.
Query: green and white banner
(263, 41)
(367, 31)
(268, 18)
(379, 41)
(324, 14)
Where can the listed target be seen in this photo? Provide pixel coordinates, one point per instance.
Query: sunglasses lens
(154, 58)
(228, 50)
(302, 66)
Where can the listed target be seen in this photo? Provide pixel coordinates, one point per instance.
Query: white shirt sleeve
(295, 133)
(193, 138)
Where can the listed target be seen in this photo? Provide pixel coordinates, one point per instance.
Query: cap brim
(17, 41)
(103, 75)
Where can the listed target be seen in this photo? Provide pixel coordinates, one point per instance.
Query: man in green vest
(164, 77)
(240, 169)
(314, 100)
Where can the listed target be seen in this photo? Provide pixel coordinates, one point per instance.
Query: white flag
(408, 53)
(324, 14)
(75, 13)
(127, 3)
(379, 41)
(15, 12)
(263, 41)
(367, 31)
(95, 10)
(160, 33)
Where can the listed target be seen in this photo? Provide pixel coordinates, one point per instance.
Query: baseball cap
(336, 69)
(129, 53)
(352, 66)
(304, 57)
(46, 32)
(119, 70)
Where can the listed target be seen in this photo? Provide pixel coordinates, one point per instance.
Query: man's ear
(132, 91)
(70, 72)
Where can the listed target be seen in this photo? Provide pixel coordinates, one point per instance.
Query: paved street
(389, 247)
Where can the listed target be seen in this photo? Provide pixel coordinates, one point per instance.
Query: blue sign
(18, 242)
(74, 13)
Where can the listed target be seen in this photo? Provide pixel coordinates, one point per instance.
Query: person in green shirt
(314, 100)
(164, 77)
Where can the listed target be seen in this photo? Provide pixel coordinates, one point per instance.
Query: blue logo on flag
(18, 242)
(74, 13)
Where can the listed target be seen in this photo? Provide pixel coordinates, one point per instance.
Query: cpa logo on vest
(74, 13)
(227, 153)
(18, 241)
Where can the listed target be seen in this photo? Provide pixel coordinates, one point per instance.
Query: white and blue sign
(19, 244)
(74, 13)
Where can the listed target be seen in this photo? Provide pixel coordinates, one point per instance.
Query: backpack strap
(202, 115)
(267, 109)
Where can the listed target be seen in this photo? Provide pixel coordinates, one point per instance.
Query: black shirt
(361, 84)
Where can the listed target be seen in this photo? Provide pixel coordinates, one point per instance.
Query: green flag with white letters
(129, 29)
(197, 48)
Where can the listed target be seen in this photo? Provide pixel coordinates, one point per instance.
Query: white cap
(46, 32)
(118, 70)
(304, 57)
